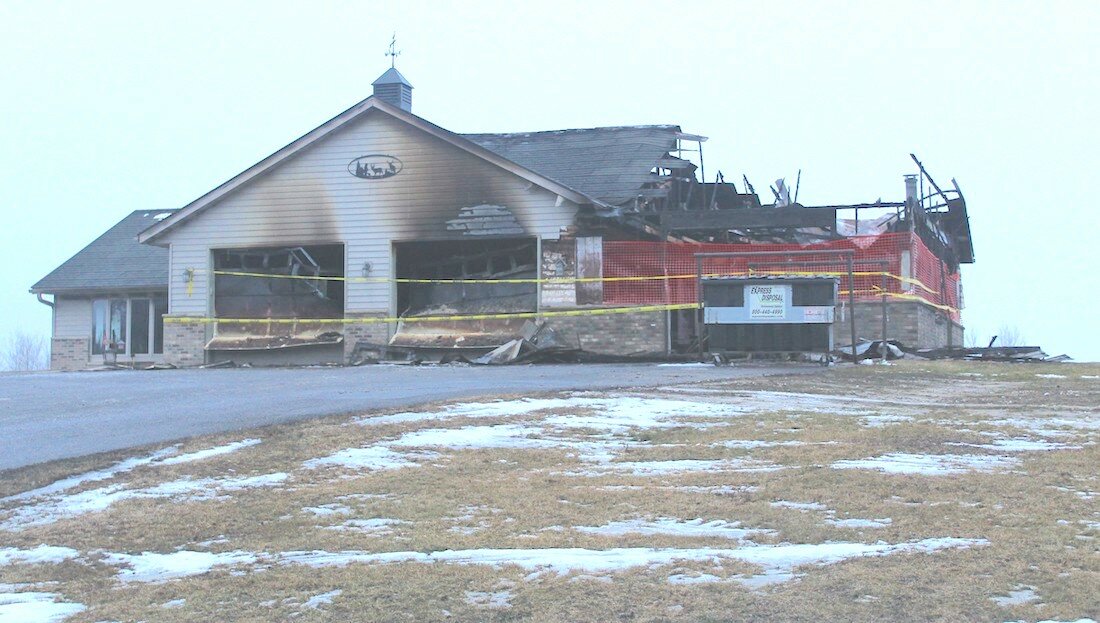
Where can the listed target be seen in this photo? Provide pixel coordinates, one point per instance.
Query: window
(128, 326)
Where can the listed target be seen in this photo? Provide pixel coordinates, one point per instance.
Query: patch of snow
(1017, 596)
(150, 567)
(325, 510)
(1051, 376)
(1090, 376)
(209, 452)
(718, 489)
(161, 216)
(929, 464)
(41, 555)
(778, 561)
(676, 466)
(686, 364)
(499, 408)
(175, 603)
(373, 458)
(750, 444)
(164, 456)
(619, 414)
(499, 599)
(860, 523)
(1020, 444)
(97, 500)
(71, 482)
(879, 421)
(510, 436)
(378, 526)
(800, 506)
(323, 599)
(702, 578)
(35, 607)
(676, 527)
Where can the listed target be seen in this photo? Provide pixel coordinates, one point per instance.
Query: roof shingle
(610, 164)
(114, 261)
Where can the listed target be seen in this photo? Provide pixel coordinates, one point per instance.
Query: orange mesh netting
(672, 269)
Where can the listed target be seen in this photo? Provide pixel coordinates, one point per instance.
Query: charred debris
(676, 206)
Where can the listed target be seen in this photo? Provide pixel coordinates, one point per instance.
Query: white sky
(112, 107)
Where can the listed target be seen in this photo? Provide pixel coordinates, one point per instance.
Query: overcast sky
(111, 107)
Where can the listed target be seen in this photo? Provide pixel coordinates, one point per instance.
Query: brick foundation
(636, 333)
(184, 343)
(373, 332)
(913, 323)
(70, 353)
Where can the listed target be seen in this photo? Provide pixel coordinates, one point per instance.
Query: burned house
(379, 227)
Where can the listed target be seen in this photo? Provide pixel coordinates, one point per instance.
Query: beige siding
(312, 199)
(72, 318)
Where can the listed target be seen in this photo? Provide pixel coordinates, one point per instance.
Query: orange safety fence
(898, 262)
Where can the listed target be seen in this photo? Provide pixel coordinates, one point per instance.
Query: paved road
(47, 416)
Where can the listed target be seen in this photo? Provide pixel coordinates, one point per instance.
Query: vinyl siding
(312, 199)
(72, 317)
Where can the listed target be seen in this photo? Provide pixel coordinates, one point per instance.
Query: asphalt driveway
(47, 416)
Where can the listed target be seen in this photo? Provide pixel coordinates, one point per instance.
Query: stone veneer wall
(184, 343)
(70, 353)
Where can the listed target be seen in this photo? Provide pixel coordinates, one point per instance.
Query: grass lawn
(914, 492)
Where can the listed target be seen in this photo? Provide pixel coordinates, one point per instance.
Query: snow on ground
(93, 476)
(1051, 376)
(164, 456)
(43, 554)
(878, 421)
(1020, 444)
(1017, 596)
(174, 603)
(151, 567)
(97, 500)
(499, 599)
(373, 458)
(377, 526)
(209, 452)
(860, 523)
(800, 506)
(852, 522)
(752, 444)
(930, 464)
(621, 412)
(678, 466)
(778, 562)
(325, 510)
(35, 607)
(323, 599)
(676, 527)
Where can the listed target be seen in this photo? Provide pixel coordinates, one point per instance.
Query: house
(379, 227)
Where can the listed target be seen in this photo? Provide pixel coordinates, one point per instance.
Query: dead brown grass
(1039, 518)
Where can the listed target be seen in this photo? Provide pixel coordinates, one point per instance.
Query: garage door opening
(500, 262)
(284, 284)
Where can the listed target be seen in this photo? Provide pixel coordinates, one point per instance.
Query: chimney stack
(392, 88)
(911, 198)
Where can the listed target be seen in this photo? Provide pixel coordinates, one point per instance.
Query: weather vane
(393, 52)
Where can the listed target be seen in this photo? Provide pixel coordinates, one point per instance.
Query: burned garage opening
(282, 289)
(450, 278)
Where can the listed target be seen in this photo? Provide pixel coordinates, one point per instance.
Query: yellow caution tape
(376, 319)
(566, 280)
